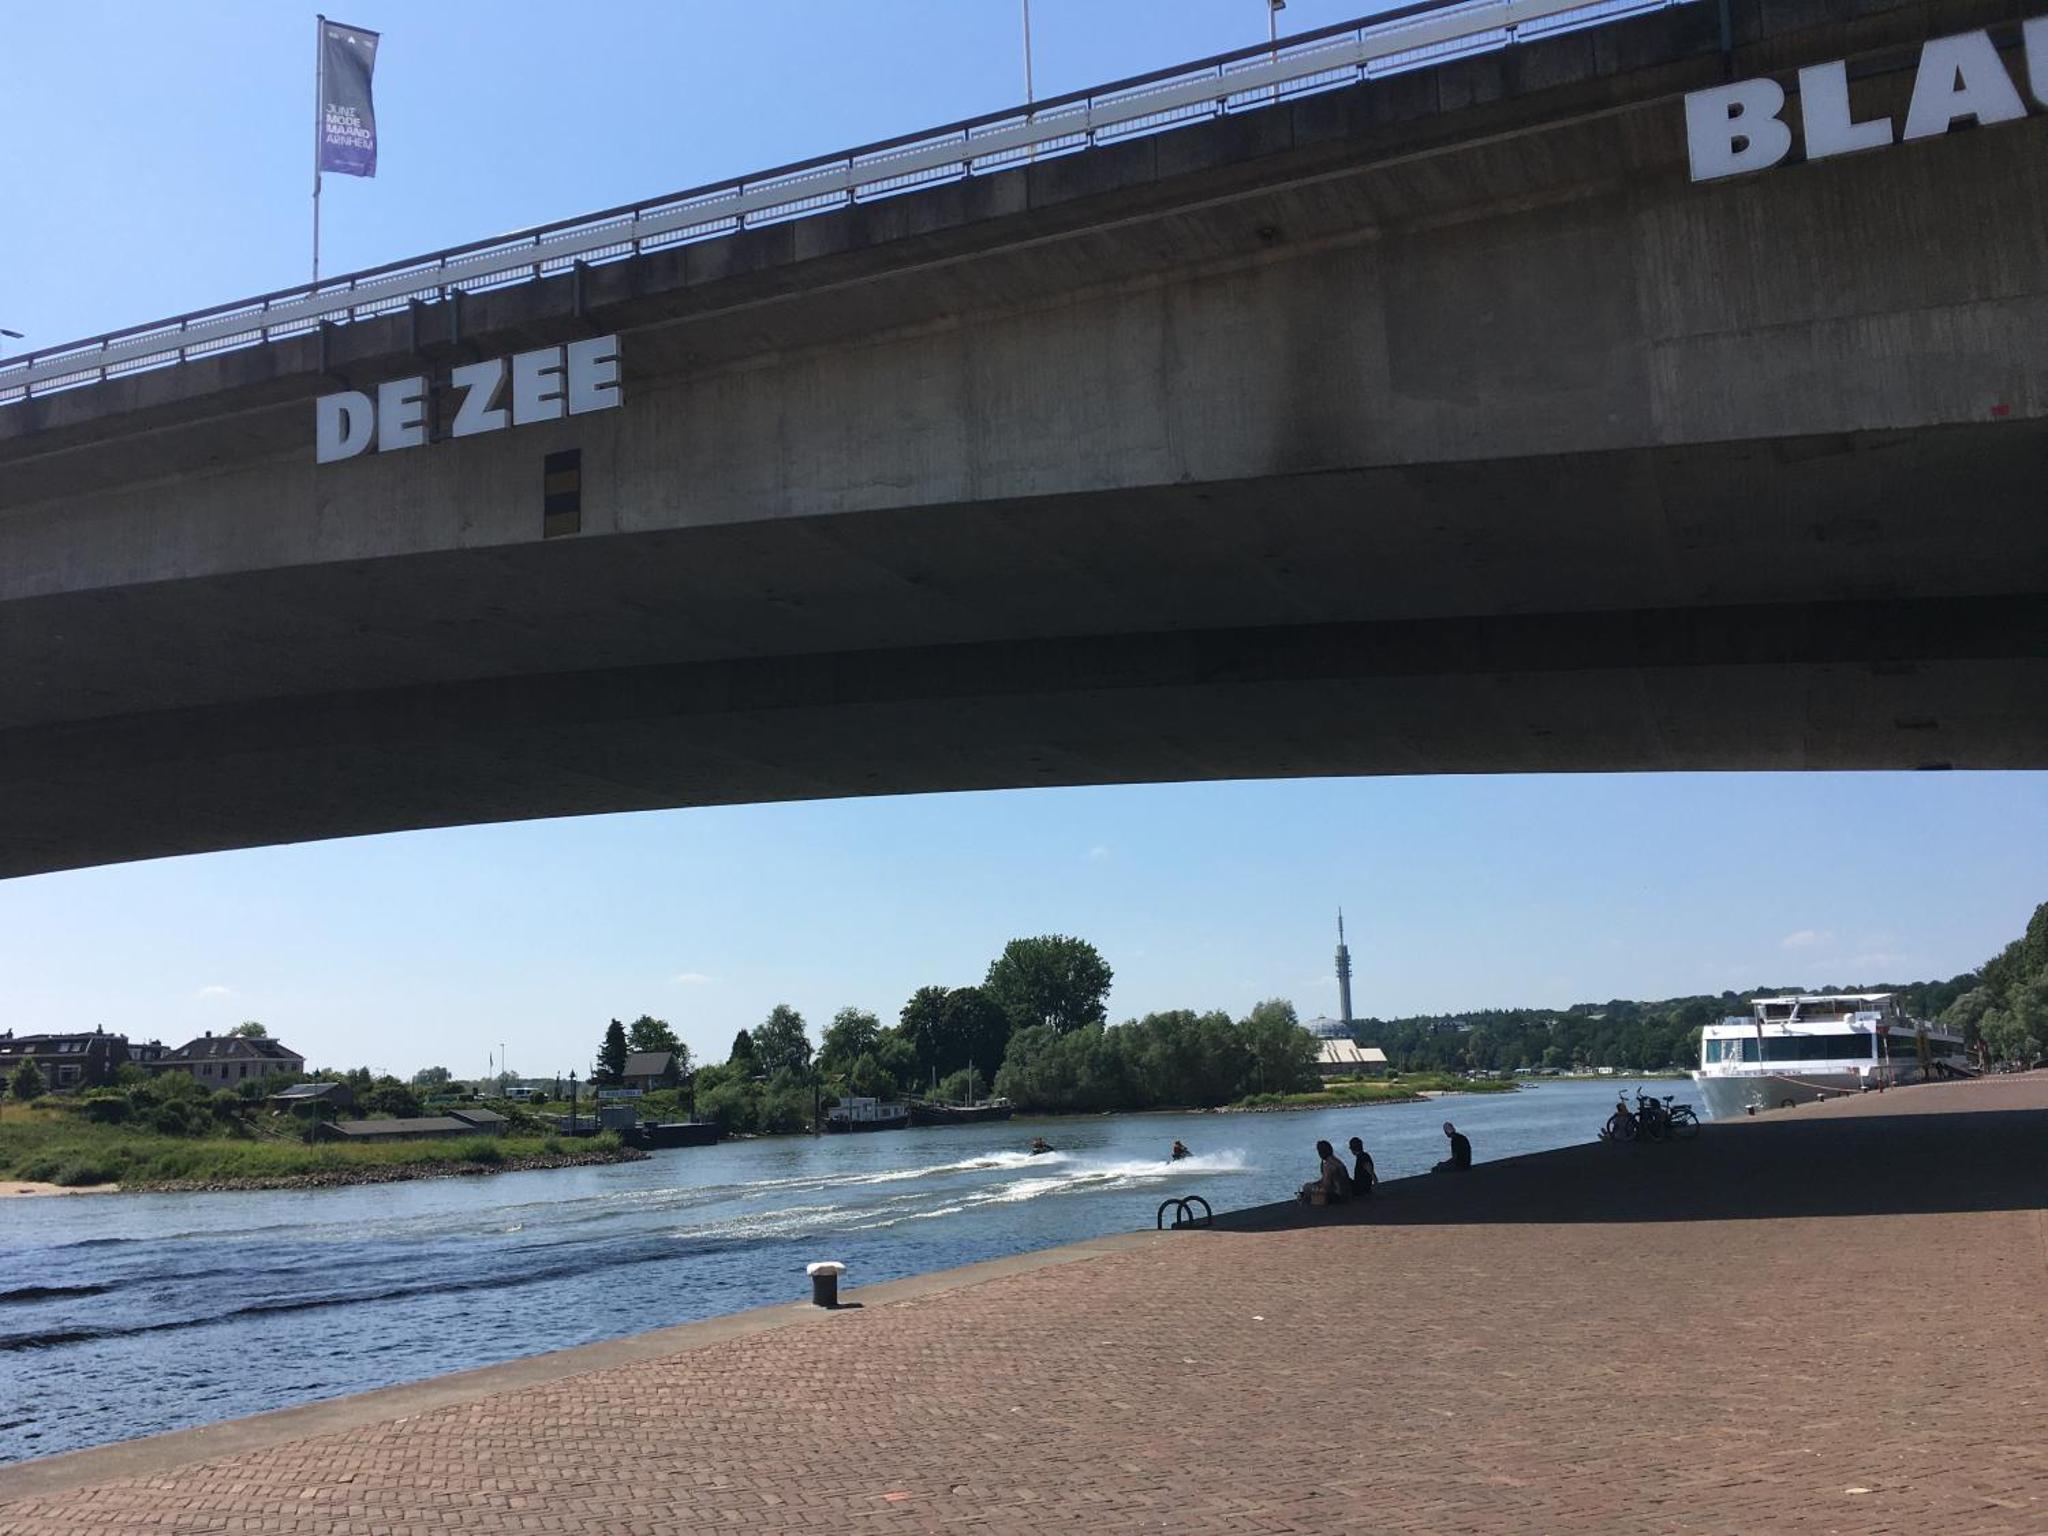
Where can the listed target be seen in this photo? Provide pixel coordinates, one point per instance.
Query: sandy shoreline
(328, 1178)
(26, 1189)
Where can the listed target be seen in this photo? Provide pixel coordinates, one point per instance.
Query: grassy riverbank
(53, 1146)
(1409, 1088)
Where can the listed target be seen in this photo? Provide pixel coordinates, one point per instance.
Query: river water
(124, 1315)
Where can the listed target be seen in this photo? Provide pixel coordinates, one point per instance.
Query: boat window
(1817, 1048)
(1732, 1050)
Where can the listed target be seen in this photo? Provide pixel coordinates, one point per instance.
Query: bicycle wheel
(1657, 1129)
(1685, 1124)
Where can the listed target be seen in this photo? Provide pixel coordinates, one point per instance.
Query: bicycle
(1666, 1119)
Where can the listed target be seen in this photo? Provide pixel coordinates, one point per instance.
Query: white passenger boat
(1793, 1050)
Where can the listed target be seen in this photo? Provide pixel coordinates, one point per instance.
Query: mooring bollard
(825, 1283)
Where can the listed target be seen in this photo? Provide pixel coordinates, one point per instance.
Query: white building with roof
(1347, 1058)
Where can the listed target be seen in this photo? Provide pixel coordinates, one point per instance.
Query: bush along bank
(64, 1141)
(1396, 1088)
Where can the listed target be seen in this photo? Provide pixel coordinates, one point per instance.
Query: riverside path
(1825, 1320)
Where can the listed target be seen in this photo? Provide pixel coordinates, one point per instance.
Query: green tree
(978, 1028)
(1081, 1071)
(1052, 980)
(923, 1025)
(611, 1056)
(390, 1097)
(250, 1029)
(647, 1033)
(866, 1076)
(964, 1087)
(787, 1100)
(897, 1062)
(1282, 1054)
(732, 1102)
(780, 1043)
(742, 1051)
(2005, 1037)
(949, 1028)
(853, 1033)
(27, 1082)
(1182, 1058)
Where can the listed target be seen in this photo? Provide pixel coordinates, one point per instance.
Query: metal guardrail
(1250, 78)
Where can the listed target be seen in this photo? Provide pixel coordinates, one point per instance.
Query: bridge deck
(1820, 1321)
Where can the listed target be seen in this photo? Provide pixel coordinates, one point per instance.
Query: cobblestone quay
(1829, 1319)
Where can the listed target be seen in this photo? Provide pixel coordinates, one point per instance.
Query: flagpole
(319, 96)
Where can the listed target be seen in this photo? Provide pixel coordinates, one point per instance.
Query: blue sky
(1459, 892)
(181, 178)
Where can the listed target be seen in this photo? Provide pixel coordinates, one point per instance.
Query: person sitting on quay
(1460, 1160)
(1331, 1183)
(1363, 1175)
(1619, 1124)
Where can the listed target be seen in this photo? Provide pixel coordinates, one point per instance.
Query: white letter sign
(1735, 128)
(343, 425)
(1960, 77)
(401, 414)
(546, 385)
(1732, 129)
(1824, 113)
(479, 383)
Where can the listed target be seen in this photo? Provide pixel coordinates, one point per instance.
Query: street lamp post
(1273, 10)
(1030, 94)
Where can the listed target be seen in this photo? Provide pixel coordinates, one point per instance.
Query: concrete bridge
(1439, 422)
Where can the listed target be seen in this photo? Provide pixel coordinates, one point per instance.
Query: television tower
(1343, 973)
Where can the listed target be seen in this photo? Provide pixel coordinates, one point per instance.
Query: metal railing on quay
(1247, 79)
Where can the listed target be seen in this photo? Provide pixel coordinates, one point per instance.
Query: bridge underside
(1759, 688)
(1792, 605)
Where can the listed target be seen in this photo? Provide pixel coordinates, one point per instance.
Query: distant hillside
(2005, 1004)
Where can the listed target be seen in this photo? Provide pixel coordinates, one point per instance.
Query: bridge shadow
(1866, 1165)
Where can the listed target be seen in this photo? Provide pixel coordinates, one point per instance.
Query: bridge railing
(1245, 80)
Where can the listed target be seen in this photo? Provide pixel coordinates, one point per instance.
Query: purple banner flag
(348, 118)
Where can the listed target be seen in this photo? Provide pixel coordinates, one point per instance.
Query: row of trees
(948, 1041)
(1175, 1059)
(2003, 1008)
(1630, 1037)
(2005, 1005)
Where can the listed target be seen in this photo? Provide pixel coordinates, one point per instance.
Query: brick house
(67, 1062)
(227, 1061)
(648, 1070)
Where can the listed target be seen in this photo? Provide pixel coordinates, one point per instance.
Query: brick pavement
(1488, 1354)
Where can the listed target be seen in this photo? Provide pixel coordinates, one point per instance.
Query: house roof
(481, 1118)
(425, 1125)
(648, 1064)
(58, 1045)
(315, 1091)
(232, 1048)
(1348, 1053)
